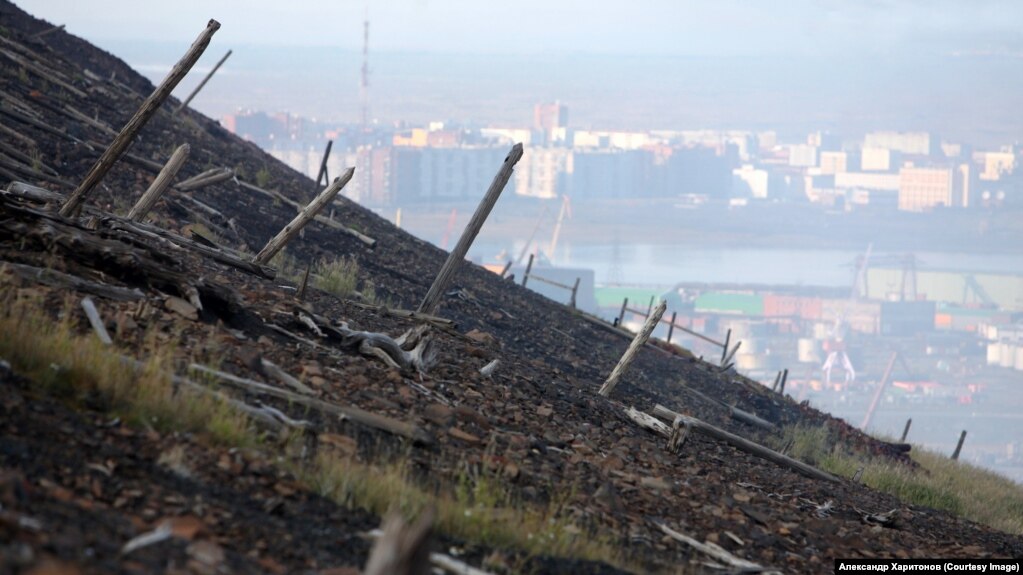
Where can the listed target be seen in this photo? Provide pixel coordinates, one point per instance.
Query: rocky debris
(75, 487)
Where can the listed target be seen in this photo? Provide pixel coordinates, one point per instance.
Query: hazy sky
(678, 27)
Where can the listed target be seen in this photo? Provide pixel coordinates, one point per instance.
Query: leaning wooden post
(621, 314)
(959, 446)
(905, 430)
(650, 306)
(784, 378)
(575, 290)
(777, 379)
(724, 349)
(130, 130)
(303, 218)
(529, 267)
(637, 342)
(160, 184)
(507, 266)
(188, 100)
(472, 229)
(671, 326)
(322, 174)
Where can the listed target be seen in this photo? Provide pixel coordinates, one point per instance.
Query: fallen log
(733, 412)
(706, 429)
(55, 278)
(95, 320)
(362, 417)
(160, 184)
(420, 356)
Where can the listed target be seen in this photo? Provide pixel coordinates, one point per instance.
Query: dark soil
(75, 486)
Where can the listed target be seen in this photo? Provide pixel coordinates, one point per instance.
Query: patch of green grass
(79, 367)
(339, 276)
(937, 481)
(478, 508)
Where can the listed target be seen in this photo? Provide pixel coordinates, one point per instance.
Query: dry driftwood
(706, 429)
(284, 377)
(354, 414)
(472, 229)
(733, 412)
(488, 370)
(277, 196)
(162, 181)
(630, 353)
(214, 176)
(304, 217)
(137, 122)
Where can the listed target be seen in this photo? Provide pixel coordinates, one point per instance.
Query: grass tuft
(937, 481)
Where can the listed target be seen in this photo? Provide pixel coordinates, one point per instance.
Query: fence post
(905, 430)
(621, 314)
(74, 203)
(959, 446)
(472, 229)
(529, 267)
(575, 290)
(671, 326)
(630, 353)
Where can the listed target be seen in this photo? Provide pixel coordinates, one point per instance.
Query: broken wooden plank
(162, 181)
(355, 414)
(630, 353)
(743, 444)
(291, 230)
(472, 229)
(128, 133)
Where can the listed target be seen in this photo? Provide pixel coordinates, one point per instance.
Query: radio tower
(364, 82)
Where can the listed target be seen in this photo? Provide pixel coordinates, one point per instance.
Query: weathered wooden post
(472, 229)
(905, 430)
(630, 353)
(322, 174)
(650, 306)
(507, 266)
(724, 350)
(303, 218)
(959, 446)
(130, 130)
(784, 378)
(529, 267)
(575, 290)
(777, 380)
(188, 100)
(621, 314)
(161, 183)
(671, 326)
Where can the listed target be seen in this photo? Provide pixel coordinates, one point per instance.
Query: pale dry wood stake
(162, 181)
(630, 353)
(472, 229)
(138, 121)
(188, 100)
(303, 218)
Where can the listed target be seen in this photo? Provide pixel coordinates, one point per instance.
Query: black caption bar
(843, 566)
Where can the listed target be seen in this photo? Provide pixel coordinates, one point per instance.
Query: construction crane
(835, 345)
(566, 209)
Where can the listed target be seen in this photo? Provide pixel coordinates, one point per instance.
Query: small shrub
(338, 277)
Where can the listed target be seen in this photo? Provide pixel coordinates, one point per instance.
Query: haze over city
(857, 160)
